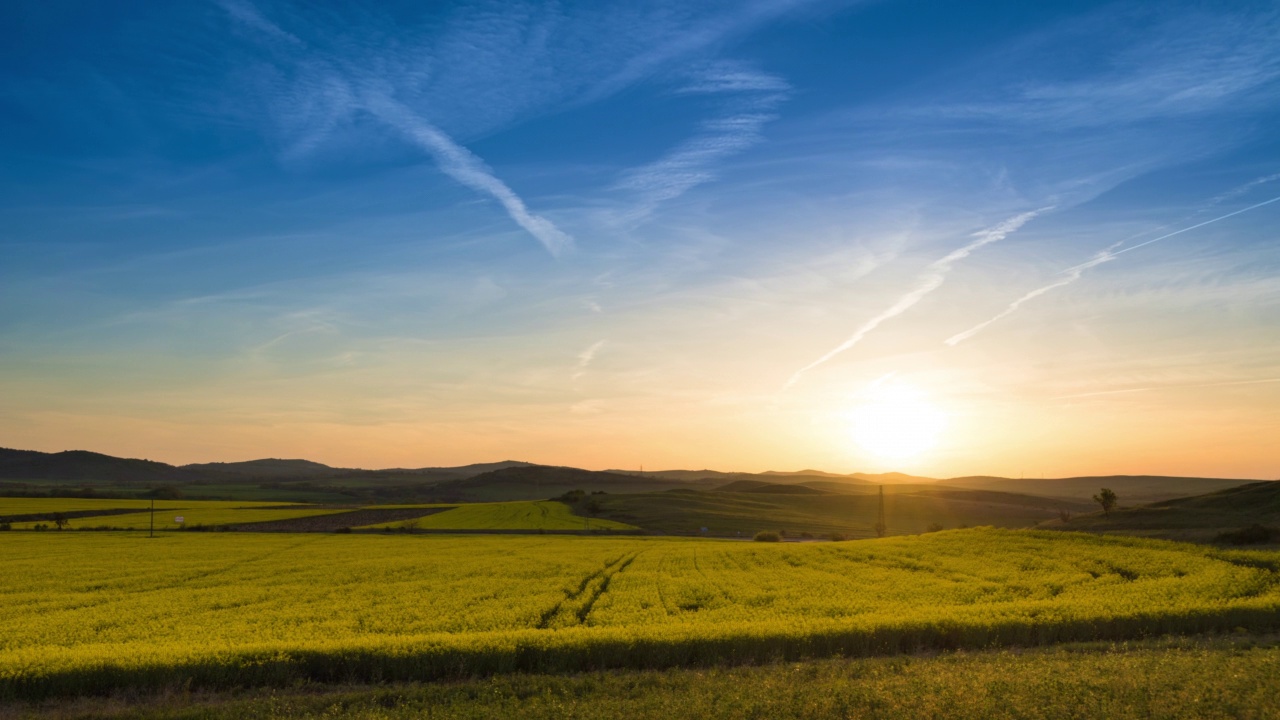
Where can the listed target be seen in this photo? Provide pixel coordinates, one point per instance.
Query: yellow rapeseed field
(88, 612)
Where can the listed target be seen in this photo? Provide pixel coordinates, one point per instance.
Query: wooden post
(881, 528)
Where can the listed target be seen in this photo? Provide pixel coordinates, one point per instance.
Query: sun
(896, 423)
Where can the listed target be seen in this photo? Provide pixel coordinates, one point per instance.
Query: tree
(1107, 499)
(59, 520)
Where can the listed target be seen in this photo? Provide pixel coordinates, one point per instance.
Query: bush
(5, 526)
(933, 527)
(1252, 535)
(767, 536)
(343, 530)
(838, 537)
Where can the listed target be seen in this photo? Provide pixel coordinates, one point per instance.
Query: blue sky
(676, 234)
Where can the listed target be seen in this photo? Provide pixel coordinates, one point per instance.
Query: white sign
(178, 519)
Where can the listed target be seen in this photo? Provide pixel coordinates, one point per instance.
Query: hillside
(81, 465)
(537, 482)
(1200, 518)
(1132, 489)
(726, 512)
(269, 468)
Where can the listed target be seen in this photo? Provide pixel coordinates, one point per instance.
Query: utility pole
(881, 527)
(153, 518)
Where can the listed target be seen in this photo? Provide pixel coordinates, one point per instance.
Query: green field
(1202, 678)
(684, 512)
(202, 513)
(85, 613)
(544, 515)
(192, 515)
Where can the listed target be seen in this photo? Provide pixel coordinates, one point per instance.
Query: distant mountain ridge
(514, 479)
(269, 467)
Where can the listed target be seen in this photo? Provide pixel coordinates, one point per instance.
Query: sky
(943, 238)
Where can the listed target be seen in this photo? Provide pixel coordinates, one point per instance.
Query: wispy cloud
(585, 358)
(1125, 391)
(1073, 274)
(248, 15)
(1243, 189)
(1192, 64)
(738, 126)
(334, 99)
(933, 277)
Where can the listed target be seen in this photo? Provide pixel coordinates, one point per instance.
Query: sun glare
(896, 423)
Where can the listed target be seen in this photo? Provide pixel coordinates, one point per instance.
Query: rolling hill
(32, 472)
(537, 482)
(1199, 518)
(1132, 489)
(743, 510)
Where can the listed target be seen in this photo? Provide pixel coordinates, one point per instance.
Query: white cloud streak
(1073, 274)
(933, 277)
(453, 159)
(462, 165)
(585, 357)
(1229, 383)
(737, 128)
(249, 16)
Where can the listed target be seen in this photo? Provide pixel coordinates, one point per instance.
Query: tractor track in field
(563, 609)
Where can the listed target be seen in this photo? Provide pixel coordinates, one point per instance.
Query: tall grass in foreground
(227, 611)
(1201, 678)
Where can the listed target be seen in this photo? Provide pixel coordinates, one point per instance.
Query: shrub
(343, 530)
(838, 537)
(5, 526)
(933, 527)
(767, 536)
(1252, 535)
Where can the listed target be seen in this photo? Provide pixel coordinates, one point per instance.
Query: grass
(743, 514)
(1199, 519)
(1200, 678)
(192, 514)
(542, 515)
(92, 613)
(30, 506)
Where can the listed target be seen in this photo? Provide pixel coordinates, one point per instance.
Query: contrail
(462, 165)
(1197, 225)
(454, 160)
(929, 281)
(1074, 273)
